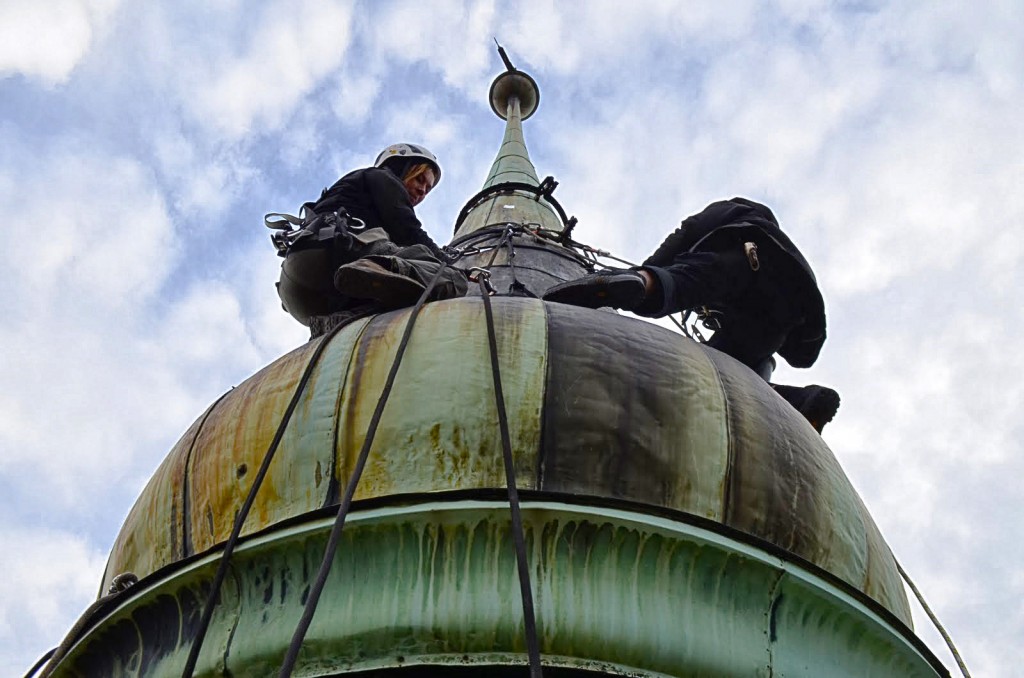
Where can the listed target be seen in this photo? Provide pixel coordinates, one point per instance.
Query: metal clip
(482, 274)
(708, 319)
(750, 249)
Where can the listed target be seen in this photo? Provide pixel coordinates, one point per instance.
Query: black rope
(529, 619)
(229, 546)
(516, 287)
(84, 623)
(39, 664)
(335, 537)
(505, 235)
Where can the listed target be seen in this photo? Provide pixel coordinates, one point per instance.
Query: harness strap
(335, 537)
(529, 619)
(283, 222)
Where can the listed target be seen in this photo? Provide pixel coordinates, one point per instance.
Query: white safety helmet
(409, 152)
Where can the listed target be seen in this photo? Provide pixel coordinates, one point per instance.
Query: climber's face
(418, 185)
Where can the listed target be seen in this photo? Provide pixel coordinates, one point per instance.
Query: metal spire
(513, 161)
(514, 97)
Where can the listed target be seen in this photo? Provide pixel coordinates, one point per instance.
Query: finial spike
(504, 57)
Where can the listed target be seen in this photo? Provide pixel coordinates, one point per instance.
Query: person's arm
(677, 241)
(693, 228)
(396, 211)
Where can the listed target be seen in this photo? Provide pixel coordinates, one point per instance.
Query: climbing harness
(229, 546)
(309, 229)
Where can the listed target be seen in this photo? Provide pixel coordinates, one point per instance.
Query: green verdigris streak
(435, 583)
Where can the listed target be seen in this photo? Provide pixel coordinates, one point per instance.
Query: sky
(141, 144)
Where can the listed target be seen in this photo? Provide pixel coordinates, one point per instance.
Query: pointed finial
(504, 57)
(513, 83)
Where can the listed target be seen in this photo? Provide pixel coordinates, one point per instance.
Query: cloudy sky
(142, 142)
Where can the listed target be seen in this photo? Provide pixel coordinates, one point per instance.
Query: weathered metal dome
(671, 499)
(602, 407)
(681, 518)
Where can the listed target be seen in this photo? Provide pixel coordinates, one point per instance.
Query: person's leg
(752, 340)
(398, 279)
(697, 279)
(694, 279)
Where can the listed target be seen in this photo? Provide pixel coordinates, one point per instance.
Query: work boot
(615, 287)
(373, 278)
(818, 404)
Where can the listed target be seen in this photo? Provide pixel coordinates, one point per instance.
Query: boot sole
(370, 281)
(597, 292)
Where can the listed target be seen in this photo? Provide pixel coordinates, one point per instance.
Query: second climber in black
(733, 261)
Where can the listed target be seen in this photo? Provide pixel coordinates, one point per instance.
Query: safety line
(935, 620)
(236, 530)
(39, 664)
(335, 537)
(529, 618)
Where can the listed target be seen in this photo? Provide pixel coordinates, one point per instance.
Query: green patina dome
(600, 406)
(681, 518)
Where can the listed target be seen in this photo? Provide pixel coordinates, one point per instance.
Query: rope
(529, 619)
(335, 537)
(39, 664)
(505, 235)
(516, 287)
(118, 585)
(934, 619)
(229, 547)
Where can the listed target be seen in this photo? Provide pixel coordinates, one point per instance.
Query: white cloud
(85, 333)
(405, 32)
(419, 119)
(287, 53)
(202, 177)
(271, 330)
(46, 39)
(355, 97)
(98, 228)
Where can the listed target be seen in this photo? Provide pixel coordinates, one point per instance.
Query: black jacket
(730, 223)
(377, 197)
